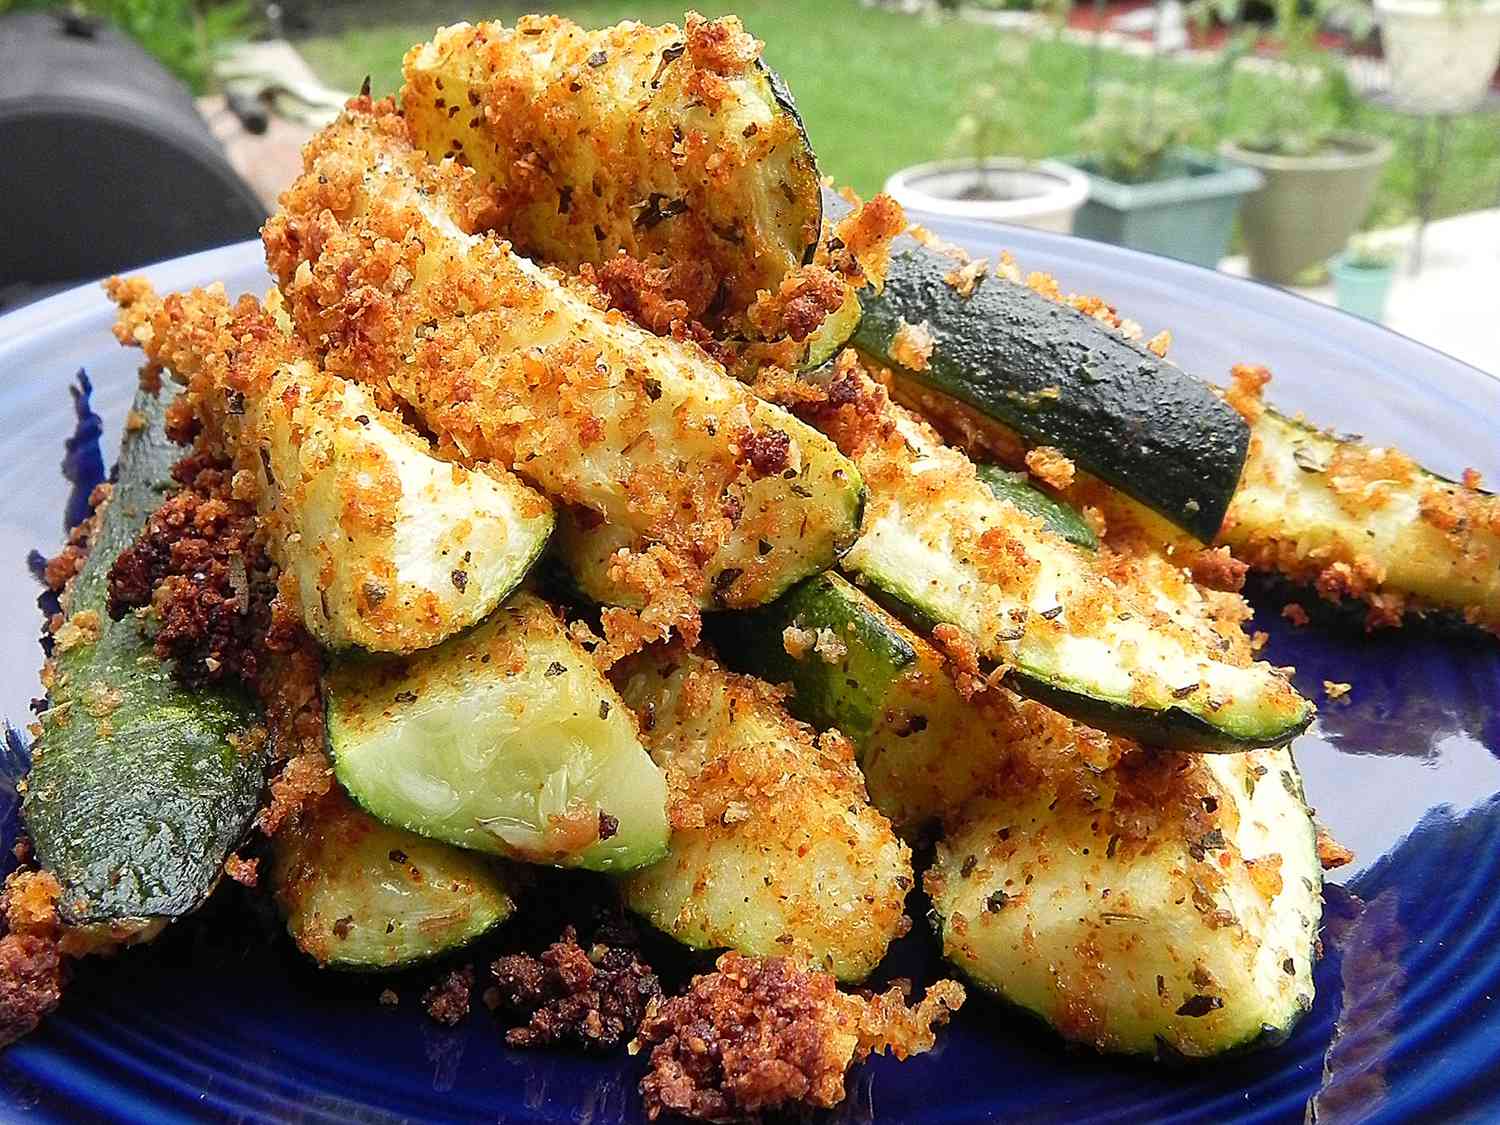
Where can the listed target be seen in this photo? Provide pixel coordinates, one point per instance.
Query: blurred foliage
(183, 35)
(1134, 128)
(1320, 99)
(881, 90)
(996, 118)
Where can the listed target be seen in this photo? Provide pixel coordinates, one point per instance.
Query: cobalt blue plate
(207, 1025)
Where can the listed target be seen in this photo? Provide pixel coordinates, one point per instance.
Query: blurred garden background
(1354, 139)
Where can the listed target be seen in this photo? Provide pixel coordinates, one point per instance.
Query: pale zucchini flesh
(1167, 908)
(507, 740)
(388, 547)
(602, 141)
(393, 549)
(1365, 523)
(776, 850)
(1133, 661)
(923, 748)
(507, 362)
(360, 895)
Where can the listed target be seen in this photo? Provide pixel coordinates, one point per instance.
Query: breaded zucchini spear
(649, 444)
(1097, 636)
(383, 545)
(775, 847)
(674, 145)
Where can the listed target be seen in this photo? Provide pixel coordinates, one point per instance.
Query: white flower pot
(1042, 195)
(1442, 53)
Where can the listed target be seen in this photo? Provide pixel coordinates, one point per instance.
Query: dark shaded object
(107, 162)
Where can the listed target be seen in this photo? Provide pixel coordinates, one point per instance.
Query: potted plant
(1442, 53)
(997, 178)
(1320, 177)
(1147, 189)
(1362, 276)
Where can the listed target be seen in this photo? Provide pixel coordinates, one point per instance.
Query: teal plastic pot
(1187, 213)
(1359, 289)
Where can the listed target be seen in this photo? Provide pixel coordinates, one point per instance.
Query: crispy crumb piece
(1331, 853)
(1050, 466)
(829, 648)
(763, 1033)
(966, 278)
(1295, 613)
(1159, 344)
(1334, 689)
(797, 641)
(593, 998)
(388, 998)
(912, 345)
(32, 970)
(245, 872)
(447, 1001)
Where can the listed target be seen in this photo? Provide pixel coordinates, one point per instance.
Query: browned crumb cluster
(765, 1033)
(593, 998)
(199, 564)
(32, 970)
(448, 1000)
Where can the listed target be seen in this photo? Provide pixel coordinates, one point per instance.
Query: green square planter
(1188, 214)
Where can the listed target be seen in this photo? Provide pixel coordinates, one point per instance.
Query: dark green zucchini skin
(1172, 728)
(781, 93)
(1063, 519)
(136, 794)
(849, 693)
(1058, 377)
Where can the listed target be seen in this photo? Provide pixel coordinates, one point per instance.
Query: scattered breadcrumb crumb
(388, 998)
(829, 648)
(1331, 853)
(764, 1033)
(592, 998)
(1159, 344)
(245, 872)
(798, 642)
(447, 1001)
(965, 279)
(1333, 689)
(1295, 613)
(912, 345)
(1050, 466)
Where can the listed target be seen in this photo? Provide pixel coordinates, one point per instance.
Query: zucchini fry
(507, 739)
(646, 440)
(674, 146)
(1355, 521)
(775, 848)
(139, 786)
(360, 895)
(923, 748)
(386, 546)
(1095, 637)
(1167, 904)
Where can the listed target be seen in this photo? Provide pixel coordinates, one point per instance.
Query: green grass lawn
(880, 90)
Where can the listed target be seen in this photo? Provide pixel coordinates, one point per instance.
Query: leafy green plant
(1134, 129)
(1319, 99)
(1370, 252)
(995, 119)
(183, 35)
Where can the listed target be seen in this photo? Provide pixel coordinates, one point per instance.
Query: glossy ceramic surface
(1406, 774)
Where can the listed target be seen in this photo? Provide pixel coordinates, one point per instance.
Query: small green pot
(1187, 213)
(1361, 290)
(1310, 205)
